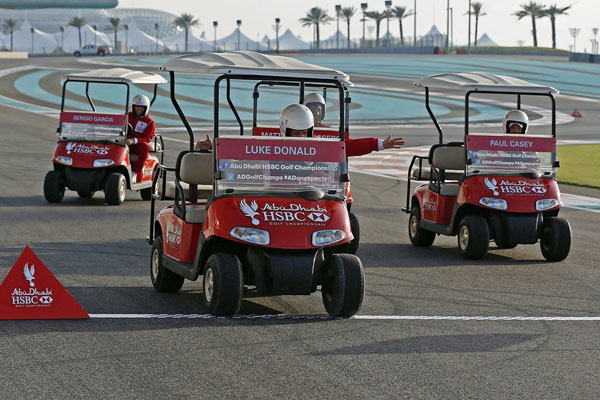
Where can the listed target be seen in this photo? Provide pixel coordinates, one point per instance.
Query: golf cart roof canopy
(118, 75)
(483, 81)
(250, 63)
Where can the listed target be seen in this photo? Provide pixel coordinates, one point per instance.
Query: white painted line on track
(359, 317)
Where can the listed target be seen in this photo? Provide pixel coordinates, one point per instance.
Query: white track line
(360, 317)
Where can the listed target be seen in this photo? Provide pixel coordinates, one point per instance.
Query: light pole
(338, 10)
(215, 25)
(574, 32)
(364, 6)
(32, 33)
(447, 24)
(415, 24)
(126, 27)
(451, 27)
(239, 24)
(595, 47)
(156, 29)
(388, 5)
(95, 32)
(62, 38)
(469, 41)
(277, 22)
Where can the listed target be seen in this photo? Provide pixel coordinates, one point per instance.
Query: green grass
(579, 165)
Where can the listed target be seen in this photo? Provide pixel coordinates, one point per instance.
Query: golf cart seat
(448, 162)
(192, 169)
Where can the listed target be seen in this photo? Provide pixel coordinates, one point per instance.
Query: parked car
(93, 49)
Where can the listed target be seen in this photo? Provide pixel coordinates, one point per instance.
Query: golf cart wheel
(163, 279)
(114, 190)
(418, 236)
(556, 239)
(146, 194)
(85, 195)
(54, 188)
(343, 285)
(223, 284)
(505, 244)
(473, 237)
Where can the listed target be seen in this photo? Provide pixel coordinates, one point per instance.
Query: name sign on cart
(31, 291)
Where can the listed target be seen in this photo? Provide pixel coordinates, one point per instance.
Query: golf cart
(258, 214)
(322, 131)
(491, 186)
(91, 153)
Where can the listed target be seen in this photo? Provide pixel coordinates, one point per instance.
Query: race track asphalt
(99, 254)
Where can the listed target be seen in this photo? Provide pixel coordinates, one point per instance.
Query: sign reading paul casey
(285, 163)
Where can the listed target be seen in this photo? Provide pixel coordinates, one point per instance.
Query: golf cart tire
(473, 237)
(114, 190)
(85, 195)
(418, 236)
(343, 285)
(163, 279)
(555, 242)
(223, 284)
(146, 194)
(54, 188)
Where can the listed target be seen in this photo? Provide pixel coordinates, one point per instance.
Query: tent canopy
(230, 42)
(139, 40)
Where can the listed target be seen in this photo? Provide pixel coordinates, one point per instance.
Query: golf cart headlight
(251, 235)
(103, 163)
(327, 237)
(545, 204)
(492, 202)
(64, 160)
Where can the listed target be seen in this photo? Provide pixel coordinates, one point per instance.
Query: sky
(258, 18)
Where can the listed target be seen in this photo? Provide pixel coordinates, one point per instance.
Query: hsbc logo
(91, 150)
(515, 187)
(288, 214)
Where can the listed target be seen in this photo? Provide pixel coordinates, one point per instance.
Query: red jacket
(359, 147)
(143, 128)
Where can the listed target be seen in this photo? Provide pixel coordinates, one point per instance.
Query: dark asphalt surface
(99, 254)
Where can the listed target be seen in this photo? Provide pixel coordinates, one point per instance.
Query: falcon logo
(70, 147)
(28, 272)
(250, 211)
(492, 185)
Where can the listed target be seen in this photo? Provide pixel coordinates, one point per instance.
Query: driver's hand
(395, 143)
(129, 141)
(204, 144)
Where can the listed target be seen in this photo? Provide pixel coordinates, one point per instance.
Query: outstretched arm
(395, 143)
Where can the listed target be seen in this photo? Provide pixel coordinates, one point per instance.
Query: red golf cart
(91, 153)
(258, 214)
(492, 186)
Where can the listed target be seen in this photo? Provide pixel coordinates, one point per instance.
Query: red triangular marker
(30, 291)
(576, 114)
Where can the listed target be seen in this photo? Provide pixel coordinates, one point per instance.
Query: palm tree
(316, 16)
(534, 10)
(348, 13)
(115, 21)
(476, 8)
(401, 13)
(377, 17)
(186, 21)
(552, 12)
(9, 27)
(78, 22)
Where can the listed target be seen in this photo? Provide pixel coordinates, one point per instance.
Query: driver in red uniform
(354, 147)
(141, 134)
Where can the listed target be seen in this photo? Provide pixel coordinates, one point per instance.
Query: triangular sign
(576, 114)
(30, 291)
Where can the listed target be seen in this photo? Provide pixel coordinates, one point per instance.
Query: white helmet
(297, 117)
(141, 100)
(316, 99)
(515, 117)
